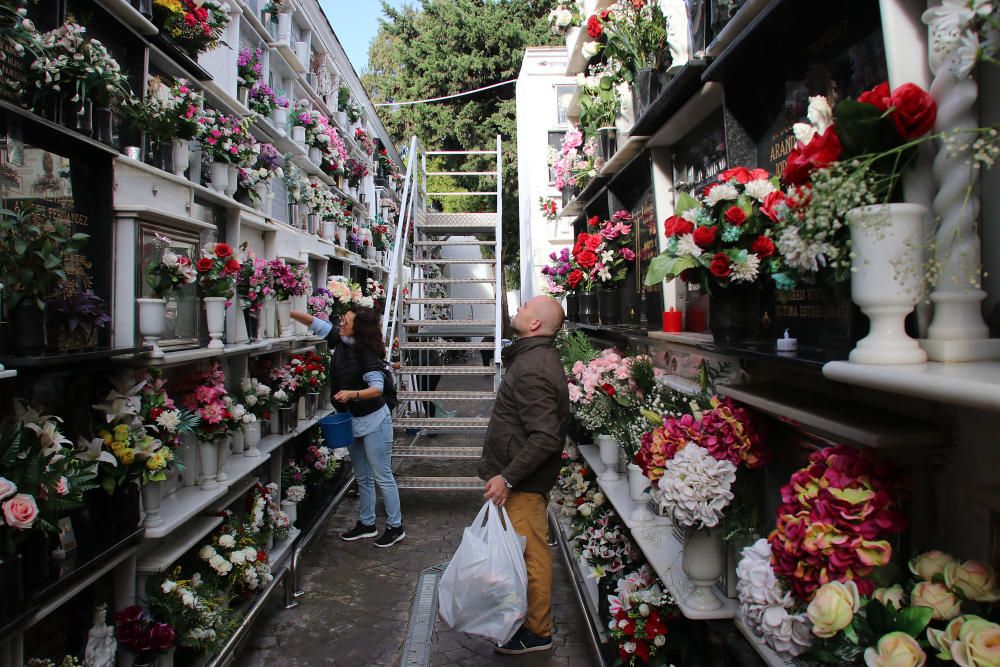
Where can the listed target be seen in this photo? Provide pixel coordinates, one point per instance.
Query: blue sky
(356, 23)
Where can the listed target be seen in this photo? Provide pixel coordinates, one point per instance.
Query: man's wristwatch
(506, 483)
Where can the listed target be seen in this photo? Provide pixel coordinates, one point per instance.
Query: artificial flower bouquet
(634, 33)
(293, 481)
(356, 171)
(168, 271)
(804, 583)
(365, 140)
(194, 25)
(375, 290)
(720, 237)
(253, 282)
(563, 16)
(288, 281)
(249, 67)
(310, 370)
(265, 520)
(607, 547)
(345, 294)
(234, 561)
(606, 254)
(295, 184)
(199, 616)
(139, 631)
(262, 99)
(320, 304)
(207, 399)
(266, 166)
(226, 138)
(160, 415)
(42, 476)
(382, 237)
(549, 209)
(321, 462)
(256, 397)
(217, 270)
(169, 111)
(557, 273)
(67, 61)
(640, 611)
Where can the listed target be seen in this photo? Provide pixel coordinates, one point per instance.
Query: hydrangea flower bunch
(721, 237)
(557, 272)
(696, 487)
(640, 610)
(833, 521)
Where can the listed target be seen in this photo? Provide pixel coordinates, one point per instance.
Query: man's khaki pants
(527, 512)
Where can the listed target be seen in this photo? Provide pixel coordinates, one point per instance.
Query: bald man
(522, 454)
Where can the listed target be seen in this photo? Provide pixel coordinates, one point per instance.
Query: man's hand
(496, 490)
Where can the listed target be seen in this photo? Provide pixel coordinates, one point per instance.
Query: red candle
(672, 320)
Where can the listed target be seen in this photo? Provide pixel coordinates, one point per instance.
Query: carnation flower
(686, 246)
(721, 192)
(760, 189)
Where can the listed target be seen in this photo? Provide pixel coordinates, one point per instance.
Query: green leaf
(665, 267)
(863, 129)
(685, 202)
(913, 620)
(851, 634)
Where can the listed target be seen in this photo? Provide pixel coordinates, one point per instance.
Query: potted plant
(210, 403)
(196, 26)
(167, 272)
(169, 117)
(217, 270)
(599, 103)
(229, 144)
(249, 72)
(74, 320)
(32, 253)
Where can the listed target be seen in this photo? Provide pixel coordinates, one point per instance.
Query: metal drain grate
(417, 649)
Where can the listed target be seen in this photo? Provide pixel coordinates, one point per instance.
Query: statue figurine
(101, 644)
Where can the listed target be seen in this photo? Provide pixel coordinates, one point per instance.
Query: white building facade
(543, 100)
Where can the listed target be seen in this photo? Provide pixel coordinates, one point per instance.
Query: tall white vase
(182, 156)
(234, 180)
(187, 454)
(208, 457)
(215, 315)
(608, 448)
(285, 27)
(152, 497)
(290, 509)
(703, 563)
(315, 155)
(263, 197)
(284, 317)
(299, 134)
(152, 322)
(223, 451)
(219, 176)
(887, 279)
(238, 442)
(251, 438)
(638, 489)
(279, 118)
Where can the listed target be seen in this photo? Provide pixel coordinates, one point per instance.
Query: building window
(555, 144)
(564, 93)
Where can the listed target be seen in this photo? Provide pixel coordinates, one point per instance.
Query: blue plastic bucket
(337, 429)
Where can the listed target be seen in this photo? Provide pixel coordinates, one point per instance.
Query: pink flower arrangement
(364, 140)
(207, 400)
(289, 281)
(253, 282)
(604, 376)
(834, 517)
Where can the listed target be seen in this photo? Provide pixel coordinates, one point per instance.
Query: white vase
(341, 118)
(208, 457)
(263, 197)
(284, 317)
(182, 156)
(327, 230)
(608, 448)
(703, 563)
(299, 134)
(194, 162)
(887, 279)
(166, 659)
(234, 180)
(302, 52)
(342, 236)
(152, 322)
(251, 438)
(220, 176)
(215, 315)
(239, 442)
(285, 27)
(291, 509)
(222, 451)
(279, 118)
(638, 489)
(315, 155)
(152, 496)
(267, 318)
(187, 455)
(269, 545)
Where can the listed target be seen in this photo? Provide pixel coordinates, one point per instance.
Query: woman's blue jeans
(371, 456)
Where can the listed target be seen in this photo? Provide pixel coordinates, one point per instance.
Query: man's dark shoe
(525, 641)
(359, 531)
(390, 536)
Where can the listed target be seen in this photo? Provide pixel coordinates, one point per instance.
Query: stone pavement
(356, 607)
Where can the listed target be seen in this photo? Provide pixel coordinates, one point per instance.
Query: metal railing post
(498, 267)
(397, 250)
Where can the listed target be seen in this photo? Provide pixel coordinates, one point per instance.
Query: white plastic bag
(484, 590)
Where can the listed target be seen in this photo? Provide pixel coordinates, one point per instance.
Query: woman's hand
(344, 395)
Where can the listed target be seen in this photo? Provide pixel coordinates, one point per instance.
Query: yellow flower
(896, 649)
(156, 462)
(126, 455)
(166, 453)
(121, 432)
(106, 436)
(170, 5)
(833, 608)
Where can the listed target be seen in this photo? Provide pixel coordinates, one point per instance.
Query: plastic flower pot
(337, 429)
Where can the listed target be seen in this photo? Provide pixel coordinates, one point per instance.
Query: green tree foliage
(442, 47)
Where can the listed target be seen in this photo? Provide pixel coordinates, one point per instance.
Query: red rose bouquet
(722, 236)
(195, 25)
(217, 270)
(137, 631)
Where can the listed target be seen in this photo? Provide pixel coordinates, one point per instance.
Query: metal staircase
(422, 287)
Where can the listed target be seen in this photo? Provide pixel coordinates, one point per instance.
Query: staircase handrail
(393, 291)
(498, 271)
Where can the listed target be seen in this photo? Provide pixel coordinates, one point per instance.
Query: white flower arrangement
(295, 493)
(696, 488)
(766, 606)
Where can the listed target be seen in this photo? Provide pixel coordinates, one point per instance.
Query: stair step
(449, 323)
(442, 423)
(447, 370)
(491, 260)
(438, 452)
(447, 345)
(440, 483)
(446, 395)
(457, 223)
(444, 243)
(448, 301)
(454, 281)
